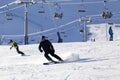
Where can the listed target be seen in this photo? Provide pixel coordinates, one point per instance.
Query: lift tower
(26, 3)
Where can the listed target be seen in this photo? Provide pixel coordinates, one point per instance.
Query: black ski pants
(52, 54)
(19, 52)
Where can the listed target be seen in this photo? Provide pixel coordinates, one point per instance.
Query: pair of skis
(49, 63)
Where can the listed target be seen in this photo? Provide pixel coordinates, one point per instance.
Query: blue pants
(111, 38)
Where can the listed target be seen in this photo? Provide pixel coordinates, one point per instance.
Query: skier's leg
(56, 56)
(19, 52)
(111, 37)
(47, 57)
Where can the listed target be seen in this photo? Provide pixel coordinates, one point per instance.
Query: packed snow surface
(82, 61)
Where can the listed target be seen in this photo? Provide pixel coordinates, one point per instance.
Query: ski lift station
(59, 20)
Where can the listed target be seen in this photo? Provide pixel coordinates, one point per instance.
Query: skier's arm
(40, 48)
(11, 47)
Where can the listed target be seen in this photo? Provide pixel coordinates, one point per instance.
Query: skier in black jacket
(47, 47)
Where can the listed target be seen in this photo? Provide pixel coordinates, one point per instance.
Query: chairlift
(58, 15)
(106, 14)
(81, 31)
(62, 32)
(9, 16)
(82, 7)
(41, 10)
(81, 10)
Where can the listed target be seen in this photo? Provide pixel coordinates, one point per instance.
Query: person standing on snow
(15, 45)
(46, 46)
(111, 33)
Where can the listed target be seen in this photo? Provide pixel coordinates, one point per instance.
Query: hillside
(83, 61)
(91, 60)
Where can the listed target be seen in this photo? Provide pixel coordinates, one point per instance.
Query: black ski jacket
(46, 46)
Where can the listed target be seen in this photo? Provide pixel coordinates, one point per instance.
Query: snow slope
(83, 61)
(97, 60)
(99, 32)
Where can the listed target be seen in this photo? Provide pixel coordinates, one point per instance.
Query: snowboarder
(15, 45)
(46, 46)
(111, 33)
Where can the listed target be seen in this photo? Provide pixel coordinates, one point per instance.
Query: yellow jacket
(14, 44)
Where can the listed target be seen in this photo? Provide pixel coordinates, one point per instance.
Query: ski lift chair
(107, 15)
(62, 32)
(81, 10)
(58, 15)
(41, 11)
(82, 7)
(9, 16)
(81, 31)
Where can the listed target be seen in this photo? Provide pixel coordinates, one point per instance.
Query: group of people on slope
(45, 45)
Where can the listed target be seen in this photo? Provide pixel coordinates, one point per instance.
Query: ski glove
(10, 48)
(41, 50)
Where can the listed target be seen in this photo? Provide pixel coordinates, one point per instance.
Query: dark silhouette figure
(47, 47)
(111, 34)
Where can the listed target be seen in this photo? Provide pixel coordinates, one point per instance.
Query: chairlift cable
(61, 26)
(7, 5)
(12, 9)
(74, 3)
(48, 2)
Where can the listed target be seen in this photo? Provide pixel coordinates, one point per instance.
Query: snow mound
(73, 57)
